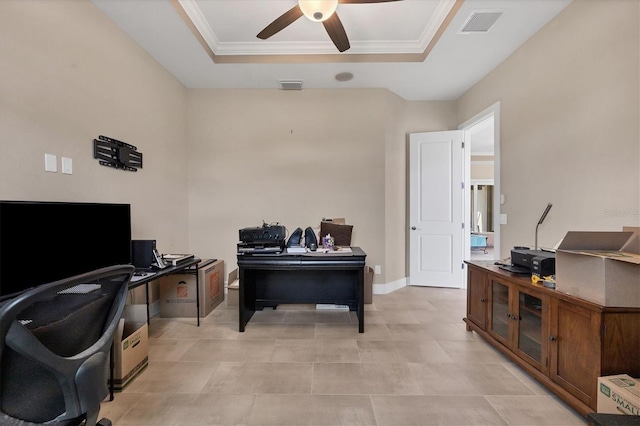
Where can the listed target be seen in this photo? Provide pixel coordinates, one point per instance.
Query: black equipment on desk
(295, 239)
(260, 247)
(263, 233)
(539, 262)
(543, 261)
(142, 253)
(543, 266)
(262, 239)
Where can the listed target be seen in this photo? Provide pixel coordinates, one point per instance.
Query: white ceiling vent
(291, 84)
(480, 22)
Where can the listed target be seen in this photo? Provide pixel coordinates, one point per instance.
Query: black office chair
(55, 342)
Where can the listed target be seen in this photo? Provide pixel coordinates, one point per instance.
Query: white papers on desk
(337, 250)
(296, 250)
(175, 259)
(141, 275)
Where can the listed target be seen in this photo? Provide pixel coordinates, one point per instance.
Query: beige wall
(295, 157)
(68, 75)
(482, 169)
(569, 110)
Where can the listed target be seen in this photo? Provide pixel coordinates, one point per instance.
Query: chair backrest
(55, 341)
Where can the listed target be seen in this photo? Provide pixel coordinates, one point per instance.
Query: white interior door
(436, 213)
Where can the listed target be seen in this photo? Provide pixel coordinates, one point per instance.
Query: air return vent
(480, 22)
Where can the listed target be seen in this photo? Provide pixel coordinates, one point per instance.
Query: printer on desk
(539, 262)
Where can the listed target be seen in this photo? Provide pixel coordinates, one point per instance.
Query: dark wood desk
(267, 280)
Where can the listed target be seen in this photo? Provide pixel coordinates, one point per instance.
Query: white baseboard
(389, 287)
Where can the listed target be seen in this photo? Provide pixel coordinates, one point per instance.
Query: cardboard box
(368, 284)
(619, 394)
(178, 291)
(233, 287)
(131, 346)
(633, 245)
(602, 267)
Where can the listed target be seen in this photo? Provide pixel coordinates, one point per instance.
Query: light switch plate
(503, 219)
(67, 165)
(50, 163)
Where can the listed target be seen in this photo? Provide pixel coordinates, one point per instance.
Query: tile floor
(414, 365)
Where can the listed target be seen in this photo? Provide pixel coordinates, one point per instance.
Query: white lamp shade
(318, 10)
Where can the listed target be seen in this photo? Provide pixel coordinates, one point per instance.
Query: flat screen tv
(42, 242)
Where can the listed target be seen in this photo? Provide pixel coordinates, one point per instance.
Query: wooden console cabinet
(564, 342)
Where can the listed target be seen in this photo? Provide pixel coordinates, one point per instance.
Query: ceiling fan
(319, 11)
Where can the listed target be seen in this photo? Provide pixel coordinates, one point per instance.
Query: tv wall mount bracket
(117, 154)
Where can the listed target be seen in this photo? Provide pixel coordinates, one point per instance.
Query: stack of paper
(296, 250)
(175, 259)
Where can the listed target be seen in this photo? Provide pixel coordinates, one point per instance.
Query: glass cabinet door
(530, 330)
(500, 309)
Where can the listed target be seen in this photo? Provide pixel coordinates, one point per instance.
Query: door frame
(493, 110)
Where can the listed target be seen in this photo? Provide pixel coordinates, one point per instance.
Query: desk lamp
(544, 215)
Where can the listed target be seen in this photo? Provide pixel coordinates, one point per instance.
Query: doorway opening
(482, 192)
(481, 237)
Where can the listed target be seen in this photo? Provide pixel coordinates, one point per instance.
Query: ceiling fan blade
(281, 23)
(366, 1)
(336, 31)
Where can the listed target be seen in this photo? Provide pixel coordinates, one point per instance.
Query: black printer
(539, 262)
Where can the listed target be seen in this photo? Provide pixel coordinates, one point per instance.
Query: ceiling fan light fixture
(318, 10)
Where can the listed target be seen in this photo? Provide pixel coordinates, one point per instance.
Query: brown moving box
(233, 287)
(131, 346)
(368, 284)
(602, 267)
(178, 291)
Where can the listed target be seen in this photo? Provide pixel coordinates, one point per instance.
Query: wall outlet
(377, 269)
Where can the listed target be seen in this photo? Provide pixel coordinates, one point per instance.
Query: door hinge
(462, 145)
(462, 225)
(462, 265)
(461, 185)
